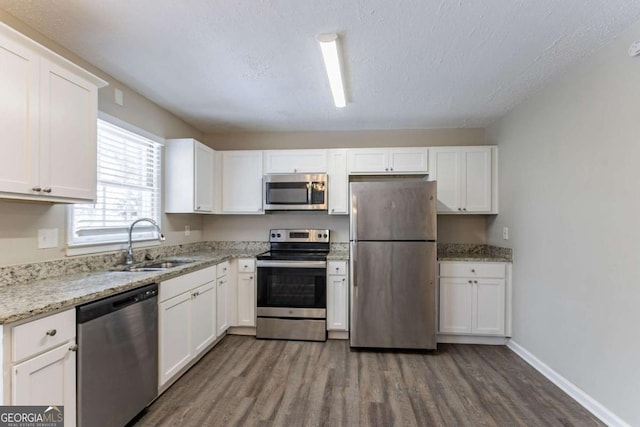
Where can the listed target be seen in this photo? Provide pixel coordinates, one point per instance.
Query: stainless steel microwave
(295, 192)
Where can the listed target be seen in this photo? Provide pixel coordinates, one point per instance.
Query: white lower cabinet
(43, 368)
(473, 299)
(187, 320)
(223, 296)
(222, 311)
(246, 292)
(337, 296)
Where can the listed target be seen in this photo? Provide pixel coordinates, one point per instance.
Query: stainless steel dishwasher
(117, 357)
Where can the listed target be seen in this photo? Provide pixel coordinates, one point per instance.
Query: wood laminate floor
(244, 381)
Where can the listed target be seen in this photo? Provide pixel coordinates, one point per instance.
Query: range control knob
(319, 236)
(273, 234)
(325, 236)
(279, 235)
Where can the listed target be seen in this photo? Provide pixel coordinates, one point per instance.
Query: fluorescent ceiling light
(329, 46)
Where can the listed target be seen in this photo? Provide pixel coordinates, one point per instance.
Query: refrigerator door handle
(354, 217)
(354, 261)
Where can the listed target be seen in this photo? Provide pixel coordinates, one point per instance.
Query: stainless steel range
(292, 286)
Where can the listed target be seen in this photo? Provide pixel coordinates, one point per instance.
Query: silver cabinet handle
(473, 270)
(470, 281)
(337, 268)
(47, 190)
(475, 281)
(51, 332)
(386, 169)
(333, 210)
(37, 189)
(391, 169)
(459, 209)
(246, 266)
(74, 347)
(198, 207)
(344, 279)
(250, 277)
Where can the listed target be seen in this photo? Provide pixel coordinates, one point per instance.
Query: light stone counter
(31, 297)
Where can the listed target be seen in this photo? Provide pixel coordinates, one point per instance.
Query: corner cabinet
(241, 190)
(414, 160)
(49, 121)
(475, 299)
(222, 295)
(189, 177)
(467, 179)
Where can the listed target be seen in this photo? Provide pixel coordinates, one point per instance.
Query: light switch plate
(118, 97)
(47, 238)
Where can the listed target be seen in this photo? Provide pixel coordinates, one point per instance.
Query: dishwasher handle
(95, 309)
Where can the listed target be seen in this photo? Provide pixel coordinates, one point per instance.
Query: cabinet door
(403, 160)
(68, 132)
(19, 79)
(246, 299)
(445, 168)
(175, 332)
(295, 161)
(368, 160)
(488, 306)
(242, 182)
(203, 317)
(337, 303)
(338, 183)
(222, 322)
(456, 296)
(477, 180)
(48, 379)
(203, 178)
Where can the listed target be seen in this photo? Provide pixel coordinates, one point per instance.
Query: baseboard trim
(471, 339)
(588, 402)
(338, 335)
(242, 330)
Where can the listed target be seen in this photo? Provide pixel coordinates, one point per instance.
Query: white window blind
(128, 188)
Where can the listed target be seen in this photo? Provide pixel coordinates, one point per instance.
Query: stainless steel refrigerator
(393, 264)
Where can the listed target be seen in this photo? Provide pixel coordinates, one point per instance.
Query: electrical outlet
(505, 233)
(47, 238)
(187, 230)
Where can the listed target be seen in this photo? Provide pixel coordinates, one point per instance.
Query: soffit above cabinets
(256, 66)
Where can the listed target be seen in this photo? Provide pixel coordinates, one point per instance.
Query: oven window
(287, 193)
(292, 287)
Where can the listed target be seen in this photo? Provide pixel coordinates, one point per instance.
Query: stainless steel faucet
(129, 256)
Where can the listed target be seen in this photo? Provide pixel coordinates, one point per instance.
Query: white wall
(570, 193)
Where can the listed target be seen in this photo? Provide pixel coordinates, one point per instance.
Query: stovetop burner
(297, 245)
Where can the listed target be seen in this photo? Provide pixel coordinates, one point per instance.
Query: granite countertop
(338, 255)
(473, 253)
(34, 297)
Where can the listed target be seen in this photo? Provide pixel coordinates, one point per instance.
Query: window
(128, 188)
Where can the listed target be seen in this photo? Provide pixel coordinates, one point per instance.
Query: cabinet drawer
(246, 265)
(223, 269)
(337, 267)
(472, 269)
(43, 334)
(181, 284)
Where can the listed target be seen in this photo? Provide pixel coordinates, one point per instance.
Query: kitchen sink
(156, 266)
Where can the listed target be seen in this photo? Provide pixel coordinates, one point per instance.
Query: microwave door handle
(309, 192)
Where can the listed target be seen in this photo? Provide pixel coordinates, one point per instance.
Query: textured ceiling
(226, 65)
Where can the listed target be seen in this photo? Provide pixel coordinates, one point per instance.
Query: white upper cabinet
(414, 160)
(242, 182)
(338, 182)
(189, 172)
(295, 161)
(48, 115)
(466, 179)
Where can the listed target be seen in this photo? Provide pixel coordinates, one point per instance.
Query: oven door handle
(292, 264)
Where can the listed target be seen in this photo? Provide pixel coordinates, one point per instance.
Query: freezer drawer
(393, 295)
